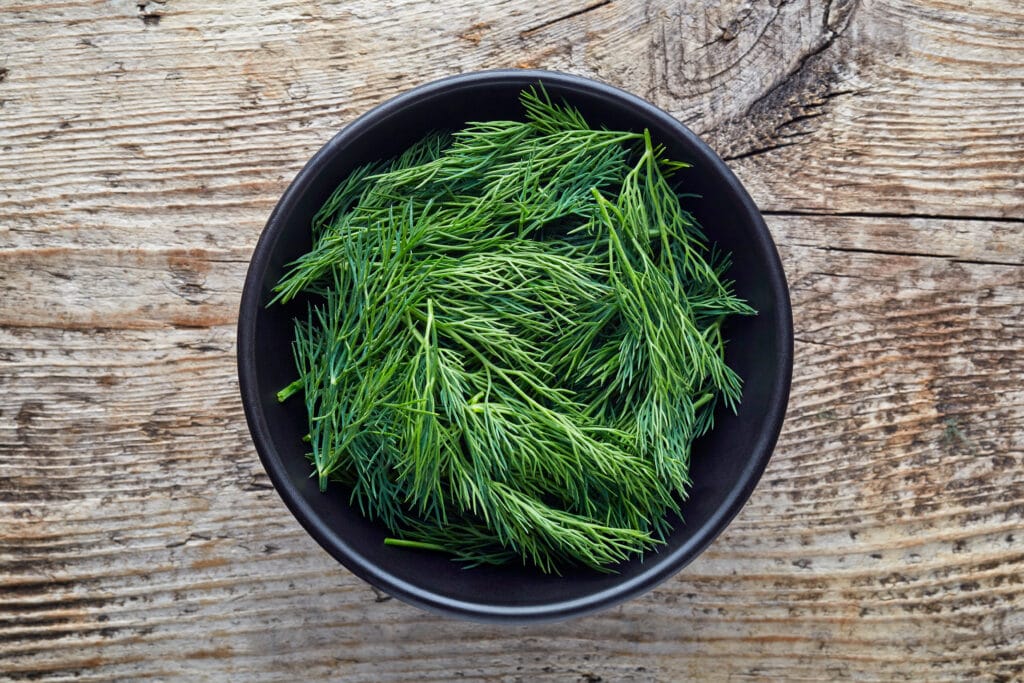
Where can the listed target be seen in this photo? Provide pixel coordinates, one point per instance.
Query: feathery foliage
(513, 338)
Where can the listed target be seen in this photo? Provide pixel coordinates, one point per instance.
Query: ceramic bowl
(726, 464)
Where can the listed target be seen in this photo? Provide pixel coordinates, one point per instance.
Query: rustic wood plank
(142, 146)
(884, 536)
(859, 97)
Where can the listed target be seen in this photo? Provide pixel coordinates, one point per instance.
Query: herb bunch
(513, 339)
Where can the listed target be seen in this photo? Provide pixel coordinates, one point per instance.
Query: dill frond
(513, 338)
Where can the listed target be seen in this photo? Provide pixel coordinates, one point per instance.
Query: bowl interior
(725, 465)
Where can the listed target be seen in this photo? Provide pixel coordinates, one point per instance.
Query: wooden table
(142, 147)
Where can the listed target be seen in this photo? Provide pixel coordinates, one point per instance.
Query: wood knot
(150, 17)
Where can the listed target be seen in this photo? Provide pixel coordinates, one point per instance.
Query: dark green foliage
(513, 342)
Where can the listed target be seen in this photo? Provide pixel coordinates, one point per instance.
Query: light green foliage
(513, 339)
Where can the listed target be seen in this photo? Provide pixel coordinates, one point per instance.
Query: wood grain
(142, 146)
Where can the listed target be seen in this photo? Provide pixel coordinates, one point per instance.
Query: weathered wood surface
(142, 146)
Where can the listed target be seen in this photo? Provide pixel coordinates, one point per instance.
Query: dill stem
(702, 401)
(289, 390)
(419, 545)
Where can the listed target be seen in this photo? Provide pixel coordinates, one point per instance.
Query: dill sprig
(513, 337)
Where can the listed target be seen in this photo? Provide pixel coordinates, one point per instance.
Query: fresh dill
(513, 337)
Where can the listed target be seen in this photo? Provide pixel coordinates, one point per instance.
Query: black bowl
(726, 464)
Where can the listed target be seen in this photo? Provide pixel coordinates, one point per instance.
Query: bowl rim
(376, 575)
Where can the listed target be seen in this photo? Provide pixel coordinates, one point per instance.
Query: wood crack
(896, 215)
(882, 252)
(986, 262)
(952, 258)
(757, 151)
(830, 37)
(191, 538)
(571, 15)
(812, 342)
(797, 103)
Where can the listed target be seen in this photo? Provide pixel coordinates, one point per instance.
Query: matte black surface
(726, 464)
